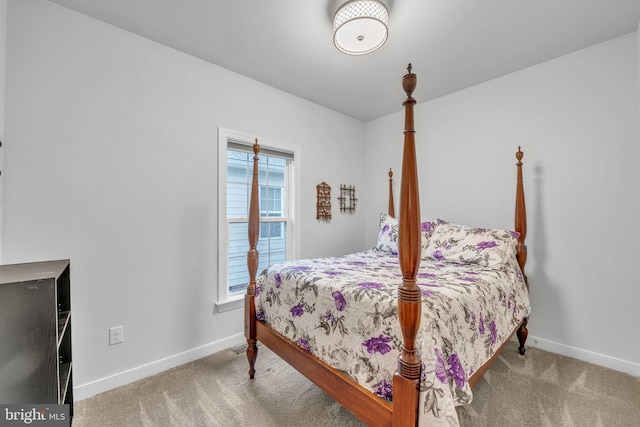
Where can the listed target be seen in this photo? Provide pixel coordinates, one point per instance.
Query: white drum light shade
(360, 26)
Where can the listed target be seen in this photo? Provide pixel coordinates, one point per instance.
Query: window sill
(232, 303)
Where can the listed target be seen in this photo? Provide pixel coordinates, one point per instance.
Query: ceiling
(452, 44)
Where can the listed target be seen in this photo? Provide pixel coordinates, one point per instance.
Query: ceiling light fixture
(360, 26)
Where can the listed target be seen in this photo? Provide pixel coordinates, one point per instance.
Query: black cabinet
(35, 333)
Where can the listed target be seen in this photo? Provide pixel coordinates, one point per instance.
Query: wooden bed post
(391, 211)
(521, 247)
(407, 377)
(252, 264)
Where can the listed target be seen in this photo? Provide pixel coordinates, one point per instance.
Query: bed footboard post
(521, 247)
(522, 334)
(406, 380)
(252, 265)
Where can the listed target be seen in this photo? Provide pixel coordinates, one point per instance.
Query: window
(271, 205)
(275, 166)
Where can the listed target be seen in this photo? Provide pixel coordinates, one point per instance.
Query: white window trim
(226, 301)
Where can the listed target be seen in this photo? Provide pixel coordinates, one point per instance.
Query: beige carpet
(537, 390)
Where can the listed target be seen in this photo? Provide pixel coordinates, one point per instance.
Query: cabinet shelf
(65, 379)
(63, 321)
(35, 325)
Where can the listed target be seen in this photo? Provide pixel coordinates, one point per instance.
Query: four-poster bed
(462, 296)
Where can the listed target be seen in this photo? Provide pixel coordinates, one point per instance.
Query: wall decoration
(323, 205)
(347, 198)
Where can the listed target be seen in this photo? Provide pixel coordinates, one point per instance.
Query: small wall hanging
(323, 204)
(347, 198)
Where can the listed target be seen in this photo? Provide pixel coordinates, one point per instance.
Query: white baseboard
(92, 388)
(616, 364)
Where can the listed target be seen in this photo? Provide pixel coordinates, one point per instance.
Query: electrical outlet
(116, 335)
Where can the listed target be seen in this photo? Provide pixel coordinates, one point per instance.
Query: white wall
(576, 118)
(111, 161)
(3, 54)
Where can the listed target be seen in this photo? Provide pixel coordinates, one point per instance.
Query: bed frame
(361, 402)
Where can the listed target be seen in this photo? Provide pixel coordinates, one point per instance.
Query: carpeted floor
(540, 389)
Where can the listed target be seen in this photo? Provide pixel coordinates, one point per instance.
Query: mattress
(344, 311)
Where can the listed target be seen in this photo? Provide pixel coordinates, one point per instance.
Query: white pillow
(389, 231)
(387, 234)
(452, 242)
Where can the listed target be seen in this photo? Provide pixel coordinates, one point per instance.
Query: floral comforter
(344, 311)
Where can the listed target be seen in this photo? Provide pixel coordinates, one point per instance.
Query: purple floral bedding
(344, 311)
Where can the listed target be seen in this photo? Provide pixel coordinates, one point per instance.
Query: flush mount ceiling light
(360, 26)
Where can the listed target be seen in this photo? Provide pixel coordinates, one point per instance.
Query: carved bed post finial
(519, 155)
(391, 210)
(252, 265)
(407, 376)
(409, 82)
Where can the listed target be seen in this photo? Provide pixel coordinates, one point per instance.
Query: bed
(399, 334)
